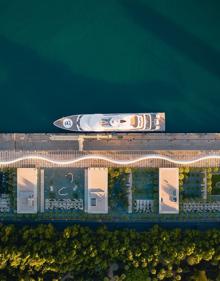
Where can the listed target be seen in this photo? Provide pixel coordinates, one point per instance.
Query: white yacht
(115, 122)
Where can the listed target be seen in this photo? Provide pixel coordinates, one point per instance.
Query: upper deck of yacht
(65, 122)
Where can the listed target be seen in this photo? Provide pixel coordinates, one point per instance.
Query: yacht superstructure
(116, 122)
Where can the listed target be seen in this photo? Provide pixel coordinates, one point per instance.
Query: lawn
(144, 182)
(8, 190)
(216, 184)
(118, 190)
(192, 184)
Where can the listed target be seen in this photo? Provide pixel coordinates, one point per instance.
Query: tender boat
(115, 122)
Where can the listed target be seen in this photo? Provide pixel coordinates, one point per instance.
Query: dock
(107, 150)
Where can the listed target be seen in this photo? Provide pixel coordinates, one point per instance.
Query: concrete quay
(117, 147)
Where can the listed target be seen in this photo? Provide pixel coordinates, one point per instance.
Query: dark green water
(65, 57)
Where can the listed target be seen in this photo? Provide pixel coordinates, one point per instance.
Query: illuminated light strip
(110, 160)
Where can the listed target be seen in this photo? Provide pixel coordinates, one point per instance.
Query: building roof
(168, 190)
(96, 190)
(26, 190)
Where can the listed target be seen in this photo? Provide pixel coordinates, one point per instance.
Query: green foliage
(138, 275)
(181, 170)
(215, 184)
(186, 170)
(199, 275)
(45, 253)
(10, 185)
(117, 178)
(215, 169)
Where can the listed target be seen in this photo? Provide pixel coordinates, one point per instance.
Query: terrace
(198, 195)
(144, 189)
(192, 183)
(63, 190)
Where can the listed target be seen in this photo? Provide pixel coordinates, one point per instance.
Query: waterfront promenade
(96, 149)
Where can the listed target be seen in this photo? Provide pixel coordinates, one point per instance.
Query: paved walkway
(119, 142)
(118, 146)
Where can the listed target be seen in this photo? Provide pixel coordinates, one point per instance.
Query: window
(93, 201)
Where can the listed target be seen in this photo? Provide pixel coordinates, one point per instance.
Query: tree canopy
(81, 253)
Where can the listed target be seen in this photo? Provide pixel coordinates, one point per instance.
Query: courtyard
(118, 190)
(216, 184)
(192, 183)
(144, 189)
(64, 189)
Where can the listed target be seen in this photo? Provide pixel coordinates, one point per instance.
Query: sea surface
(80, 56)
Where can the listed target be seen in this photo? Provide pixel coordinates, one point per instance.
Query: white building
(96, 190)
(26, 190)
(168, 190)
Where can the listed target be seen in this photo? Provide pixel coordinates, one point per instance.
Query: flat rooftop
(96, 190)
(168, 190)
(26, 190)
